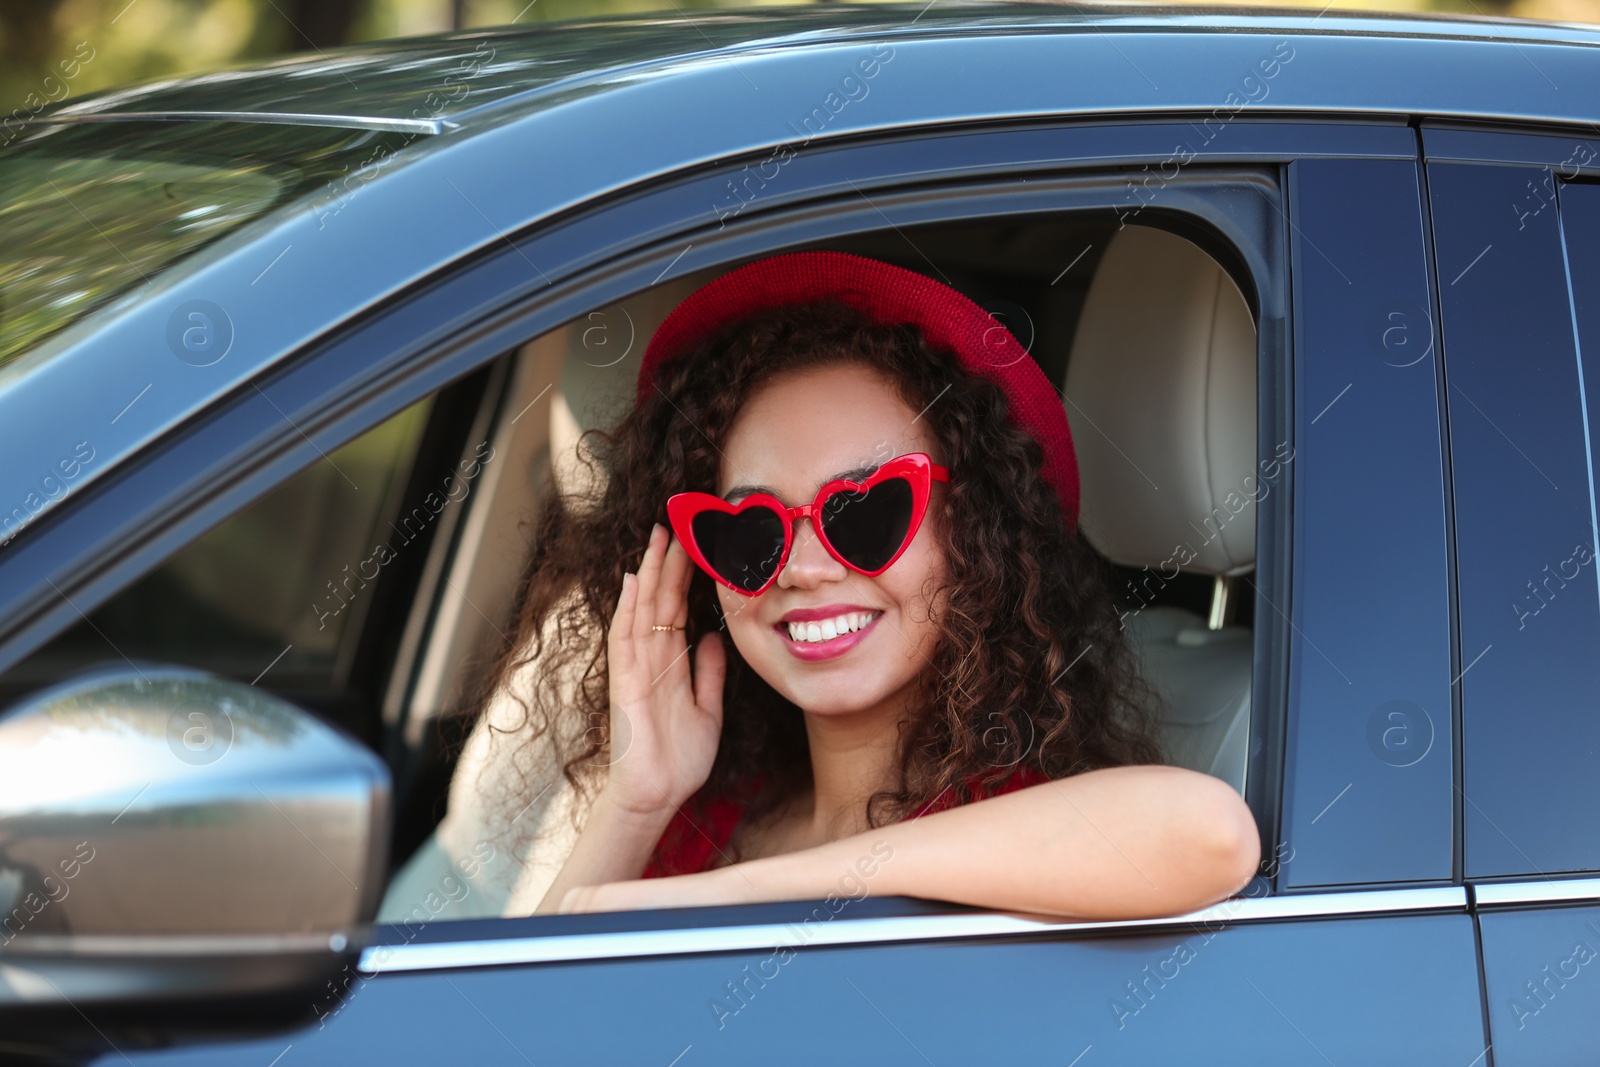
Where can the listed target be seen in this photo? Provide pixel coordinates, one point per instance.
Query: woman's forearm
(1127, 842)
(1120, 843)
(615, 845)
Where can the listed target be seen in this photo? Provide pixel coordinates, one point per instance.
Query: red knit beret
(892, 295)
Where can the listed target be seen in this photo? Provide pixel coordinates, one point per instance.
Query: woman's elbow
(1233, 840)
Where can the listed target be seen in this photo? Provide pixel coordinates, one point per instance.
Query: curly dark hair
(1031, 666)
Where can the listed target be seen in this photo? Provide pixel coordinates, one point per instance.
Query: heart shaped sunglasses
(865, 525)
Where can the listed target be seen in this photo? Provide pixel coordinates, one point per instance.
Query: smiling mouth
(824, 630)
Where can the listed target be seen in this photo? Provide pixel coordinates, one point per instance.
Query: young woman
(851, 636)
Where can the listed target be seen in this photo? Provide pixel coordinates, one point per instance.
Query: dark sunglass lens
(868, 528)
(744, 548)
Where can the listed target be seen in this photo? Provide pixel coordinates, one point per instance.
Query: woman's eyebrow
(854, 474)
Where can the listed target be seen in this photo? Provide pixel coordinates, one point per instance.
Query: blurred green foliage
(51, 50)
(91, 212)
(156, 211)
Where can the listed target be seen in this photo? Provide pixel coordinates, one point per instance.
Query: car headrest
(1161, 398)
(599, 369)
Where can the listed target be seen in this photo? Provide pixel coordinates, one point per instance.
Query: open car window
(1130, 323)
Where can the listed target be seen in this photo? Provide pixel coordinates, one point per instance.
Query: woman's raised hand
(665, 720)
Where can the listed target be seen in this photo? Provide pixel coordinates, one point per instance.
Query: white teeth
(828, 629)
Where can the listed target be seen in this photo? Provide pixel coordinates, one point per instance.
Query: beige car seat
(1161, 398)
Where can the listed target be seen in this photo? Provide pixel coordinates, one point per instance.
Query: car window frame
(360, 374)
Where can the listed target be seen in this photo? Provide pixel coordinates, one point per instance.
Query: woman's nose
(809, 563)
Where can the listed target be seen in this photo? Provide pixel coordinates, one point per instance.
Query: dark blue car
(289, 355)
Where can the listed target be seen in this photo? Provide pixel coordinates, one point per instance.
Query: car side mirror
(176, 846)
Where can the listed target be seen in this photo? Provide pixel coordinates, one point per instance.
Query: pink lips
(815, 651)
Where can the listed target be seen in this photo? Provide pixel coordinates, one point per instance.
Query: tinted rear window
(91, 212)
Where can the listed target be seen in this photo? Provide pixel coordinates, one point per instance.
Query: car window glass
(279, 590)
(1522, 479)
(91, 211)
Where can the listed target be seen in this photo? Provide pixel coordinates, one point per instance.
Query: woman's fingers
(659, 693)
(672, 603)
(620, 649)
(661, 603)
(649, 583)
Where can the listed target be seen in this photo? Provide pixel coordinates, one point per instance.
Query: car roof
(400, 84)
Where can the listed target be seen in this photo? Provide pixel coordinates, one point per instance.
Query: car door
(1516, 218)
(1349, 767)
(728, 984)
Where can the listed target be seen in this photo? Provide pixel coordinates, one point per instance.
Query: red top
(689, 846)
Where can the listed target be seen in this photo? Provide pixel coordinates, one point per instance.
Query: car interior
(375, 588)
(1155, 349)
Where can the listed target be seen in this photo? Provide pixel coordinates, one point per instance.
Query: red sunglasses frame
(915, 467)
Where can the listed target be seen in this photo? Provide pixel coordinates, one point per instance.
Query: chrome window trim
(1506, 894)
(382, 959)
(287, 118)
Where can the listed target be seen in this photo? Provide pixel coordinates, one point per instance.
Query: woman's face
(794, 434)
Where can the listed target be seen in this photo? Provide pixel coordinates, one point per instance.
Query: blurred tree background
(51, 50)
